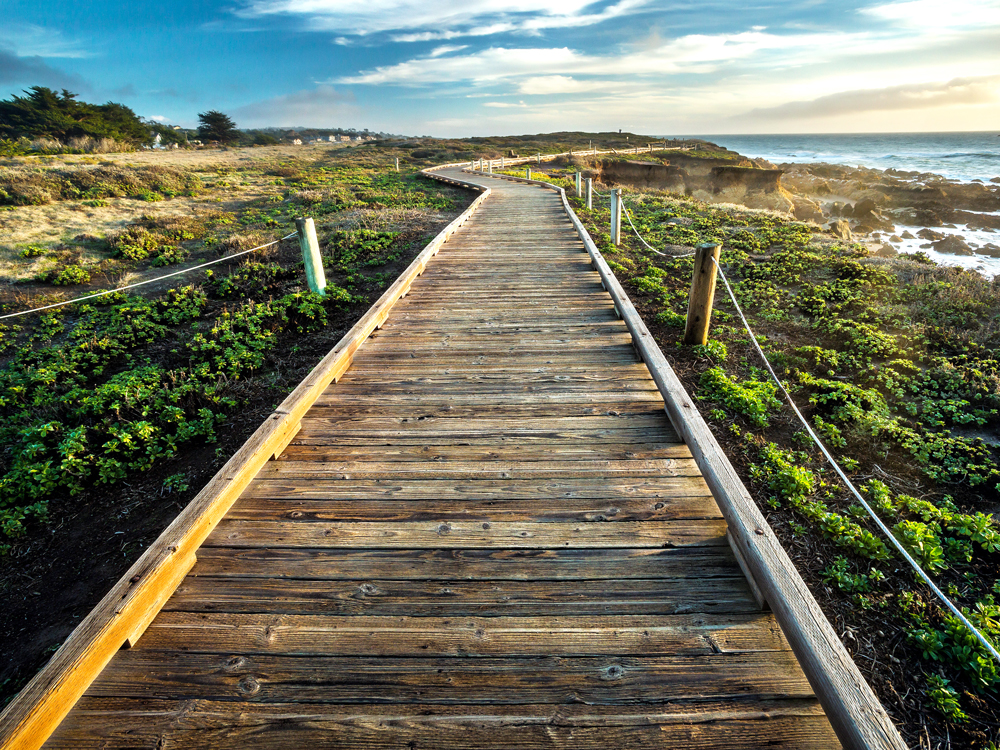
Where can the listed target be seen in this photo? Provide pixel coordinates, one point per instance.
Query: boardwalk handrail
(854, 711)
(125, 612)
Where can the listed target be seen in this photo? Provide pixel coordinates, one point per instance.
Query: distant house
(369, 138)
(297, 142)
(358, 138)
(332, 138)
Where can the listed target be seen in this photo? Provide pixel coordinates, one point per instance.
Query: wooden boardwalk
(487, 534)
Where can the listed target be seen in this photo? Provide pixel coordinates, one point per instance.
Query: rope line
(850, 485)
(643, 241)
(147, 281)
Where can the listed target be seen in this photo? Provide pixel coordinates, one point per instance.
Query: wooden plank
(372, 636)
(564, 452)
(606, 680)
(478, 470)
(491, 510)
(563, 489)
(203, 593)
(468, 564)
(466, 534)
(149, 724)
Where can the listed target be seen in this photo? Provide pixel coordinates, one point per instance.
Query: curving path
(487, 534)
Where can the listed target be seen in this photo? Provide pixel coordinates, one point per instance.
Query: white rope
(665, 255)
(147, 281)
(850, 485)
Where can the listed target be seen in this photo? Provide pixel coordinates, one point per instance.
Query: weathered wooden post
(491, 166)
(650, 147)
(538, 159)
(706, 258)
(616, 216)
(397, 163)
(527, 172)
(579, 184)
(590, 194)
(502, 163)
(310, 254)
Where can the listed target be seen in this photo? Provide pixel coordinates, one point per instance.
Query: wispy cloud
(418, 21)
(933, 14)
(320, 107)
(960, 91)
(32, 40)
(447, 49)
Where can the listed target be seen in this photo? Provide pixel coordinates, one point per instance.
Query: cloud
(319, 107)
(15, 69)
(125, 91)
(549, 85)
(32, 40)
(418, 20)
(930, 14)
(959, 91)
(505, 105)
(446, 49)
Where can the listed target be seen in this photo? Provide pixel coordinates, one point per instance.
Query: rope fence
(147, 281)
(829, 457)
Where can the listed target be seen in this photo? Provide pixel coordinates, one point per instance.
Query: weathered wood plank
(370, 636)
(466, 534)
(492, 510)
(605, 680)
(149, 724)
(469, 564)
(568, 488)
(203, 593)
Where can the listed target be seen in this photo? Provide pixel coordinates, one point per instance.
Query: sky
(504, 67)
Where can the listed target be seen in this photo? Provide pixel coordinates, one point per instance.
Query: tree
(44, 113)
(216, 126)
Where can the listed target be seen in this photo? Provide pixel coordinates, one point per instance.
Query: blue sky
(484, 67)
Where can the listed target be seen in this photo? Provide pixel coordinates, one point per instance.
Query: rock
(996, 180)
(953, 244)
(949, 226)
(990, 249)
(895, 238)
(863, 208)
(908, 236)
(927, 246)
(807, 210)
(930, 234)
(886, 250)
(841, 230)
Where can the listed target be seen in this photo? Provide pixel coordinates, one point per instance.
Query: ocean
(958, 156)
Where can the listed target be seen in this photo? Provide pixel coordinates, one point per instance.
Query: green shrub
(754, 399)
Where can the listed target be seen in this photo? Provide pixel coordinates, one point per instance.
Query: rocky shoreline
(874, 203)
(888, 211)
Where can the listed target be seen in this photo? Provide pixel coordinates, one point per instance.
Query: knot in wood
(444, 529)
(248, 686)
(613, 672)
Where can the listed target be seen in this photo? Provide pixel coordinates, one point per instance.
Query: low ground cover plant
(894, 364)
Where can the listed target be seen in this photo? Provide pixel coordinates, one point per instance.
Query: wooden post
(579, 184)
(527, 172)
(310, 254)
(616, 216)
(702, 293)
(590, 194)
(491, 166)
(502, 163)
(397, 163)
(538, 159)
